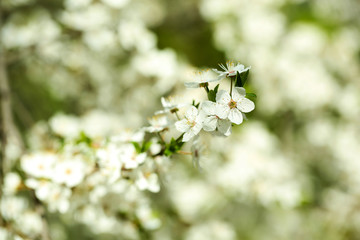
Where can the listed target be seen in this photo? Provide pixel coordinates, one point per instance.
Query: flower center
(191, 124)
(68, 171)
(232, 104)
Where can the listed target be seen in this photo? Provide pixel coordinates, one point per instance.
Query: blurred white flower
(65, 125)
(39, 164)
(72, 5)
(158, 123)
(202, 79)
(134, 34)
(110, 162)
(130, 157)
(12, 183)
(12, 207)
(116, 3)
(36, 28)
(147, 218)
(170, 105)
(146, 178)
(30, 224)
(92, 17)
(192, 123)
(69, 172)
(212, 230)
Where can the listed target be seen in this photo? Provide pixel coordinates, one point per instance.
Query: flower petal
(198, 126)
(245, 105)
(192, 84)
(182, 125)
(235, 116)
(236, 95)
(210, 123)
(241, 91)
(223, 97)
(187, 136)
(191, 113)
(224, 126)
(222, 110)
(208, 107)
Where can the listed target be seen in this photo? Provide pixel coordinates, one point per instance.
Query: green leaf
(146, 146)
(241, 78)
(252, 96)
(244, 76)
(84, 139)
(238, 82)
(212, 96)
(194, 104)
(137, 147)
(216, 88)
(173, 147)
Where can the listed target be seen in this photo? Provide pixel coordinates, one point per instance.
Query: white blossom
(215, 118)
(69, 172)
(192, 123)
(231, 69)
(146, 178)
(233, 106)
(202, 78)
(158, 123)
(130, 157)
(110, 162)
(170, 105)
(39, 164)
(12, 183)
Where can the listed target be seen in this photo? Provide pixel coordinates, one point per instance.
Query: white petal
(141, 158)
(182, 125)
(235, 116)
(224, 127)
(241, 91)
(208, 107)
(210, 123)
(236, 96)
(188, 135)
(223, 97)
(192, 84)
(196, 129)
(191, 113)
(222, 110)
(153, 182)
(245, 105)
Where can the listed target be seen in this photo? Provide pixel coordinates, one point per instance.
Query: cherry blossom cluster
(110, 174)
(223, 108)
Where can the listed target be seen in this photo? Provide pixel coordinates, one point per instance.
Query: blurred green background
(291, 171)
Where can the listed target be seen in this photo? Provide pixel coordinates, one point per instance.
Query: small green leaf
(195, 104)
(251, 96)
(244, 76)
(146, 146)
(238, 82)
(212, 96)
(137, 147)
(84, 139)
(216, 88)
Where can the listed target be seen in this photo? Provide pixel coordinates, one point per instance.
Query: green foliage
(252, 96)
(84, 139)
(241, 78)
(195, 104)
(174, 146)
(212, 94)
(142, 148)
